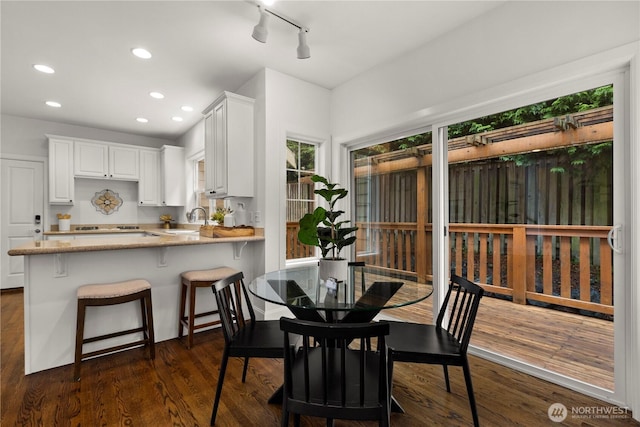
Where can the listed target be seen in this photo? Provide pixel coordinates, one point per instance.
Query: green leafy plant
(219, 214)
(321, 227)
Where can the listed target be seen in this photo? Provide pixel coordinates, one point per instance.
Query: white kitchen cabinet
(173, 175)
(124, 163)
(106, 161)
(149, 183)
(162, 177)
(229, 147)
(61, 183)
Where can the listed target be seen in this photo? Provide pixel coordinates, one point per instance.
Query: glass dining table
(360, 298)
(366, 292)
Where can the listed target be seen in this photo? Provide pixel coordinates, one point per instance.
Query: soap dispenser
(241, 215)
(229, 220)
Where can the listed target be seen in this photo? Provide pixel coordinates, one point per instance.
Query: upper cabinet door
(61, 184)
(124, 163)
(229, 147)
(220, 141)
(91, 160)
(149, 183)
(107, 161)
(208, 154)
(173, 176)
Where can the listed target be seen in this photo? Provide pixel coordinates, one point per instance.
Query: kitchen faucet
(191, 216)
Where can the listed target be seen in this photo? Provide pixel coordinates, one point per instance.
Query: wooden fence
(562, 265)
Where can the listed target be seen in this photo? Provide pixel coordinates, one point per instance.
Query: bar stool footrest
(114, 334)
(115, 348)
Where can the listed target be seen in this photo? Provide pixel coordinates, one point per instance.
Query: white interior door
(22, 203)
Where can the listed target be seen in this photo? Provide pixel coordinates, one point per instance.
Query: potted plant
(218, 215)
(323, 228)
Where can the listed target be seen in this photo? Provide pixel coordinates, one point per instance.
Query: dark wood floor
(177, 389)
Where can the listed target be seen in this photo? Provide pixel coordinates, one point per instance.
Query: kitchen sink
(180, 231)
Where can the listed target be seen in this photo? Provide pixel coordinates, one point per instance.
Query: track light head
(260, 31)
(303, 49)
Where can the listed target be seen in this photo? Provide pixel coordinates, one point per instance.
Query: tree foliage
(573, 103)
(576, 102)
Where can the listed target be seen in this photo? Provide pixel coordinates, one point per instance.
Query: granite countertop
(156, 238)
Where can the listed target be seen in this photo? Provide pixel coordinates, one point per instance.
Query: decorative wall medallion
(106, 201)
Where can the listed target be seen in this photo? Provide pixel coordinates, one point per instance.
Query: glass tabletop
(366, 289)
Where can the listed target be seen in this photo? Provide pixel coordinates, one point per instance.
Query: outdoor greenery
(576, 102)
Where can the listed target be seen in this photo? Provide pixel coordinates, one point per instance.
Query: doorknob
(614, 238)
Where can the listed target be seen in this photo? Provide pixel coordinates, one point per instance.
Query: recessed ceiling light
(156, 95)
(176, 119)
(53, 104)
(141, 53)
(142, 120)
(186, 108)
(44, 68)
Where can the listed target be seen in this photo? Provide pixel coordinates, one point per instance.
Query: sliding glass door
(535, 206)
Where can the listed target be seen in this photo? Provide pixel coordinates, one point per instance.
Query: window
(199, 183)
(202, 199)
(392, 204)
(300, 167)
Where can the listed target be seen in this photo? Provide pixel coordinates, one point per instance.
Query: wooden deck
(573, 345)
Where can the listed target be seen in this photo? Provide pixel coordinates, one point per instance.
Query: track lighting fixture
(303, 48)
(260, 31)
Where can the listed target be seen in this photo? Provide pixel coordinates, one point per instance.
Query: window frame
(321, 167)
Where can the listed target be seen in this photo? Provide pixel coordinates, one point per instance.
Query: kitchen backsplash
(84, 212)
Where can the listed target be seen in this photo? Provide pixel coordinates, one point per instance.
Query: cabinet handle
(212, 192)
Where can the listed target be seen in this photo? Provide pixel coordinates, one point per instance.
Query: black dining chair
(244, 336)
(442, 344)
(330, 380)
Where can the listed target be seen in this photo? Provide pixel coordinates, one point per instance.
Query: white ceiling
(200, 48)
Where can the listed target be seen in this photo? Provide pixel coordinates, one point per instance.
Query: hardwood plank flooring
(177, 389)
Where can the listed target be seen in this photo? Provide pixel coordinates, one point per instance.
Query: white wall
(511, 41)
(193, 140)
(193, 143)
(83, 212)
(293, 107)
(24, 136)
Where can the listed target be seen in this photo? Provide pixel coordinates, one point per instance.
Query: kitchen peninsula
(54, 269)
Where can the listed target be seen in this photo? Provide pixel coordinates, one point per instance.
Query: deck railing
(562, 265)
